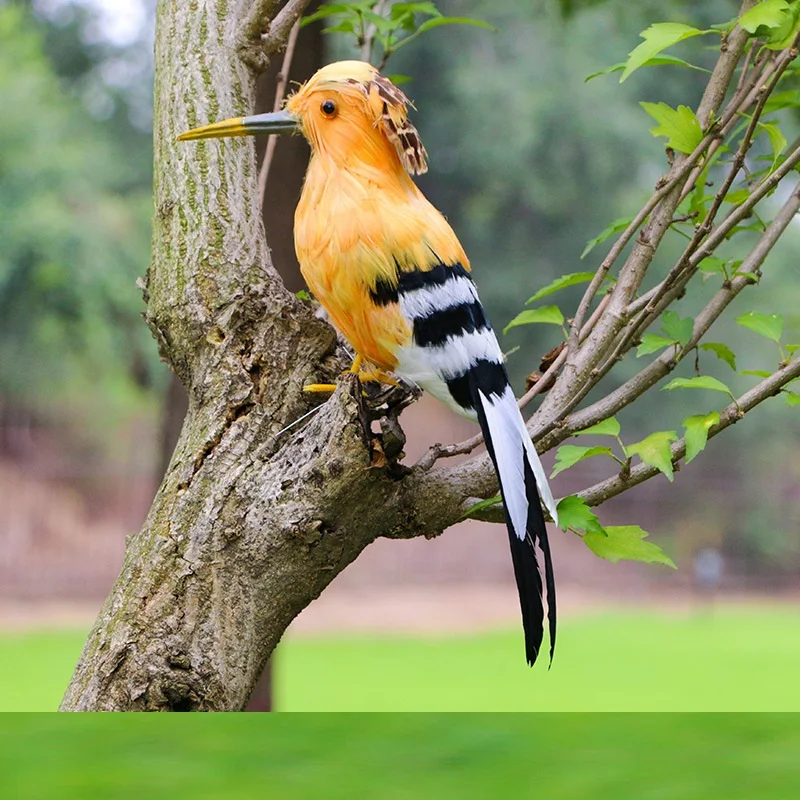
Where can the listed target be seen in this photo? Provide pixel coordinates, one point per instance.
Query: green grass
(729, 660)
(400, 757)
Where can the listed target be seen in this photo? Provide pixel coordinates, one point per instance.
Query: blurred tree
(74, 210)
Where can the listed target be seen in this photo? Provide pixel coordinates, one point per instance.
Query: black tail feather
(537, 534)
(527, 572)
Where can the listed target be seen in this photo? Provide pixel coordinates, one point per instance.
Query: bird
(395, 281)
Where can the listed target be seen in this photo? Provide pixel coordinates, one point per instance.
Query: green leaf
(302, 295)
(679, 125)
(438, 21)
(657, 37)
(697, 432)
(792, 399)
(756, 373)
(700, 382)
(736, 197)
(779, 100)
(678, 329)
(722, 352)
(563, 282)
(767, 14)
(550, 315)
(399, 10)
(574, 513)
(768, 325)
(652, 343)
(655, 451)
(327, 10)
(712, 265)
(626, 542)
(657, 61)
(481, 505)
(569, 454)
(345, 26)
(777, 140)
(608, 427)
(616, 226)
(783, 35)
(613, 227)
(382, 25)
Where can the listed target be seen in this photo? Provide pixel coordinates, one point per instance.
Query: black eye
(328, 108)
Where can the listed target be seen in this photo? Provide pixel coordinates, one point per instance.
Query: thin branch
(667, 361)
(369, 36)
(712, 99)
(687, 265)
(280, 27)
(611, 487)
(729, 222)
(600, 492)
(684, 270)
(280, 90)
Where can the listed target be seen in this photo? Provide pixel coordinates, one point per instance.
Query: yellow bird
(396, 283)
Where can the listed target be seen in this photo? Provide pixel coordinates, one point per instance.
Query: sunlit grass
(726, 660)
(729, 659)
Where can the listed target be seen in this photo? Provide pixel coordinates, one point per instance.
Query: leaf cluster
(389, 25)
(725, 161)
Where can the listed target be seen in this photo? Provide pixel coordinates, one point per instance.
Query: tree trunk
(249, 525)
(285, 182)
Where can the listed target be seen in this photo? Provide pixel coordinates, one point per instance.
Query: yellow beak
(277, 122)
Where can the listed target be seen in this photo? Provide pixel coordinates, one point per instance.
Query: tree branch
(611, 487)
(769, 387)
(579, 372)
(667, 361)
(280, 89)
(284, 21)
(709, 104)
(261, 35)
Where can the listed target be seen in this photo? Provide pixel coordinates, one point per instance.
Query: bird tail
(522, 483)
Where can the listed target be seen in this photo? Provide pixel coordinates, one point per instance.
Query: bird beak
(277, 122)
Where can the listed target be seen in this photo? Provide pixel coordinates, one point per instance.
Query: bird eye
(328, 108)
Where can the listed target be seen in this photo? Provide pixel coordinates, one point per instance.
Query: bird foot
(364, 376)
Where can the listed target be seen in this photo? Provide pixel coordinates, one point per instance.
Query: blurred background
(529, 162)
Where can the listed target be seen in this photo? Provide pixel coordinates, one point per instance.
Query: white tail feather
(512, 444)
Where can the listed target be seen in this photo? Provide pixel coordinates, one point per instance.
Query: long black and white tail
(454, 355)
(522, 484)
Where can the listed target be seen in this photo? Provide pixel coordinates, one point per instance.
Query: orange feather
(376, 220)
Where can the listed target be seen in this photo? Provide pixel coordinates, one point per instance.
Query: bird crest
(398, 128)
(386, 106)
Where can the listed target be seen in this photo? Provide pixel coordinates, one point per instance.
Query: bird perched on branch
(396, 283)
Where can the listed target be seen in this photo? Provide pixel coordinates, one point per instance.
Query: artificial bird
(396, 283)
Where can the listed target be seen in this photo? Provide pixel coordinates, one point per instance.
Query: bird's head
(346, 110)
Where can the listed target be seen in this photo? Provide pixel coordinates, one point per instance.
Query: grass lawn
(400, 756)
(731, 659)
